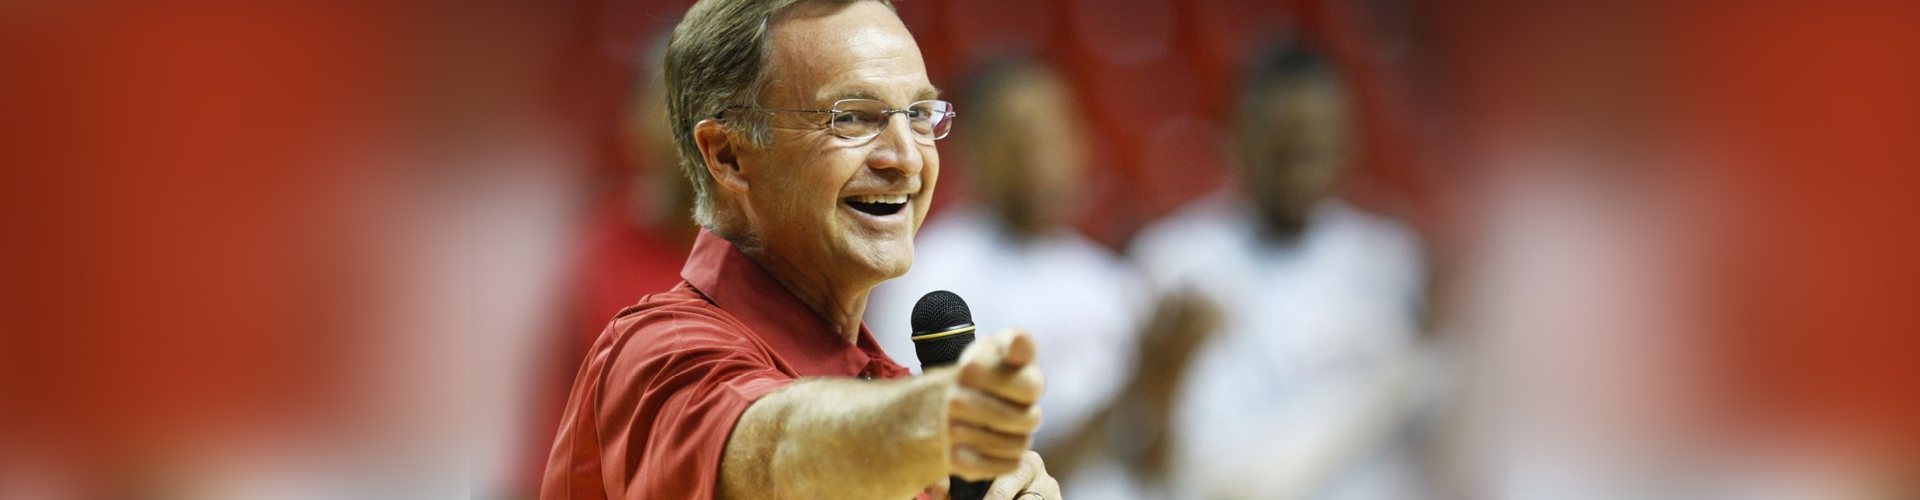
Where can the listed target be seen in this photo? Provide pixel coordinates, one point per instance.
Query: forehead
(1032, 89)
(826, 51)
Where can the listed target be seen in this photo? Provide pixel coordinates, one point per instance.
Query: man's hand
(1030, 482)
(1031, 478)
(993, 409)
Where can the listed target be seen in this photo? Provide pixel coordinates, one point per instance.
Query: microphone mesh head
(939, 311)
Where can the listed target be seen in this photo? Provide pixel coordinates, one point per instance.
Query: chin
(886, 259)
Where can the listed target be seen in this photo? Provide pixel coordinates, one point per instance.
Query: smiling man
(807, 129)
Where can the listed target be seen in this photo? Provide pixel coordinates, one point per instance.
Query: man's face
(843, 209)
(1034, 162)
(1296, 163)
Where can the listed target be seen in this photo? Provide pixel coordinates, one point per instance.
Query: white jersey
(1081, 302)
(1316, 334)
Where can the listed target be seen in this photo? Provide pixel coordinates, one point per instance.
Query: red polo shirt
(652, 407)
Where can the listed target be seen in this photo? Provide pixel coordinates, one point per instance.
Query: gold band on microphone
(948, 333)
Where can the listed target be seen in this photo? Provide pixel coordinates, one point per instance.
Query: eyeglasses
(861, 119)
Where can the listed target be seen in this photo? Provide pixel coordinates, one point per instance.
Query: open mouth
(878, 204)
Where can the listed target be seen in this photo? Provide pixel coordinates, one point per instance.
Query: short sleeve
(673, 392)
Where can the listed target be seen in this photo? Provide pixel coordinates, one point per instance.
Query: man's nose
(896, 148)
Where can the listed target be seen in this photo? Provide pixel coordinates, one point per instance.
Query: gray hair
(717, 59)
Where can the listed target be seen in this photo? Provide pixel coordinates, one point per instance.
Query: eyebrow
(925, 93)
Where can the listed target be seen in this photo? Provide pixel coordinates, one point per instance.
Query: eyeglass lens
(861, 118)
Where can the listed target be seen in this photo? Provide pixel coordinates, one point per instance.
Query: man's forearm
(837, 438)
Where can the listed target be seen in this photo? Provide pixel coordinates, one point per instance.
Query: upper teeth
(880, 198)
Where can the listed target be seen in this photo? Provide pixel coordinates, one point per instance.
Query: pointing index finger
(1018, 350)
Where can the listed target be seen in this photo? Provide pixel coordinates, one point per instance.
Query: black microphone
(942, 328)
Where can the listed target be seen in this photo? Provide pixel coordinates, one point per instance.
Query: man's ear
(718, 150)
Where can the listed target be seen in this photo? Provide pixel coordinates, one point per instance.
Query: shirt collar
(739, 286)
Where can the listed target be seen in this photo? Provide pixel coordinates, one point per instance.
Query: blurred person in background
(1016, 256)
(639, 228)
(1306, 393)
(635, 231)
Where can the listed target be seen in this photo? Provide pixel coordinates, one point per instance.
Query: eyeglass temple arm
(723, 112)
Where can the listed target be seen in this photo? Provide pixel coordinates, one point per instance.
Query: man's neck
(841, 309)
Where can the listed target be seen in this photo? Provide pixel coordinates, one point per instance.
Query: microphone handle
(944, 352)
(961, 489)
